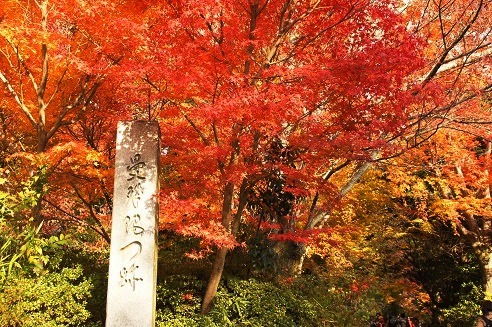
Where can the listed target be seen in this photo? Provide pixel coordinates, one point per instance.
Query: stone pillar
(133, 257)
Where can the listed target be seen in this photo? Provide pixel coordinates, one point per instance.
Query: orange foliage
(338, 83)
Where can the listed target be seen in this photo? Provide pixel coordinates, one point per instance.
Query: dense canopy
(278, 118)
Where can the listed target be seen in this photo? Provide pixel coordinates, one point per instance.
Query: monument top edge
(138, 121)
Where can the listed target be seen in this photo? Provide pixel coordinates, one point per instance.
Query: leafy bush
(237, 303)
(178, 301)
(339, 301)
(22, 245)
(54, 299)
(94, 265)
(466, 311)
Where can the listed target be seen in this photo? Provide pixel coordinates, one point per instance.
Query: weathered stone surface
(133, 257)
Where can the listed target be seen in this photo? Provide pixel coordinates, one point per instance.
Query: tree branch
(21, 104)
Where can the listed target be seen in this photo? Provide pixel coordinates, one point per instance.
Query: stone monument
(133, 257)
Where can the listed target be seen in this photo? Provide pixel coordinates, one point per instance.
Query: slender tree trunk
(213, 283)
(231, 223)
(219, 261)
(42, 139)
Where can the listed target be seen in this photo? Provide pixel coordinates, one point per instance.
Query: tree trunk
(289, 259)
(219, 261)
(470, 230)
(213, 283)
(42, 139)
(231, 223)
(485, 258)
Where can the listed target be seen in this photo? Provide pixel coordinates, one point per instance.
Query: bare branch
(92, 214)
(195, 127)
(437, 67)
(21, 103)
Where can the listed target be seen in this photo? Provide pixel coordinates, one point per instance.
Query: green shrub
(254, 303)
(178, 301)
(23, 247)
(53, 299)
(466, 311)
(94, 264)
(237, 303)
(337, 302)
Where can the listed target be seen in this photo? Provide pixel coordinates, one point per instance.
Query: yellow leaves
(423, 224)
(7, 34)
(345, 216)
(417, 189)
(445, 209)
(333, 248)
(79, 159)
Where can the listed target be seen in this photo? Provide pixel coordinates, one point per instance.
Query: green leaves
(54, 299)
(23, 245)
(238, 303)
(28, 250)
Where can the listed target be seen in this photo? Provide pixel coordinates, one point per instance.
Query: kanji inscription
(133, 257)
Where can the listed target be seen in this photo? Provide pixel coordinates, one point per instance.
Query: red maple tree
(337, 84)
(327, 79)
